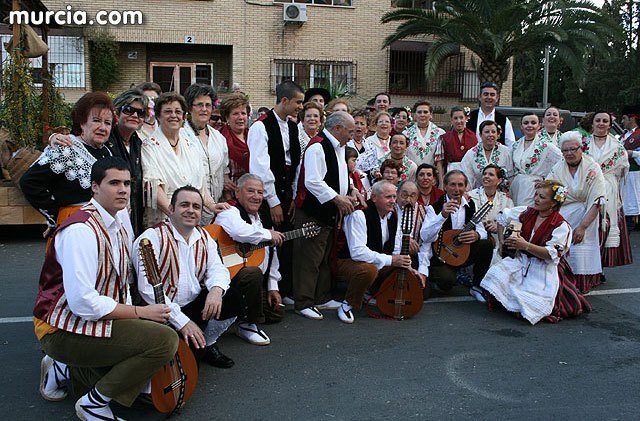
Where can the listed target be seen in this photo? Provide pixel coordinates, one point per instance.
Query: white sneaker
(476, 292)
(311, 313)
(329, 305)
(252, 334)
(51, 372)
(288, 301)
(345, 314)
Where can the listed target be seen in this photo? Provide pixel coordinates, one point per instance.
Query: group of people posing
(321, 190)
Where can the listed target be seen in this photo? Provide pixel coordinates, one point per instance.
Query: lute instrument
(173, 385)
(236, 255)
(448, 247)
(400, 295)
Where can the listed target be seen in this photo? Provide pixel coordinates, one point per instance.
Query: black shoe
(214, 357)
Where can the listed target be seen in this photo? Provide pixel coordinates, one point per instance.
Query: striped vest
(51, 303)
(169, 260)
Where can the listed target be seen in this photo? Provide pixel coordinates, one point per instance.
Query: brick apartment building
(249, 42)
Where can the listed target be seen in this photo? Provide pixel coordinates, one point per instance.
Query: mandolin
(400, 295)
(448, 247)
(174, 384)
(236, 255)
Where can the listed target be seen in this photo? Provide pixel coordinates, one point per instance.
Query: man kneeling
(83, 312)
(372, 235)
(194, 280)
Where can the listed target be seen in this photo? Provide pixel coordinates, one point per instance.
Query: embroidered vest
(168, 258)
(51, 303)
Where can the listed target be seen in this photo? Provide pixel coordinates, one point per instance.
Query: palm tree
(495, 30)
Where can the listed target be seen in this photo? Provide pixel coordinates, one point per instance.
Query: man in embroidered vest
(274, 155)
(372, 235)
(242, 223)
(323, 185)
(453, 211)
(490, 97)
(193, 277)
(83, 316)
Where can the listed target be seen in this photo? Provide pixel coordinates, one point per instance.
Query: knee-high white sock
(58, 372)
(215, 328)
(94, 406)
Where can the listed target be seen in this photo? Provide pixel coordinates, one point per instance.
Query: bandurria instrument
(512, 228)
(400, 295)
(174, 384)
(235, 255)
(448, 247)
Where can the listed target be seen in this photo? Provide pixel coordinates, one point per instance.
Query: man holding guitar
(242, 223)
(83, 314)
(453, 212)
(372, 235)
(195, 282)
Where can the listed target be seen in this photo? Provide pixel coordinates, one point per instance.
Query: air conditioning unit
(294, 13)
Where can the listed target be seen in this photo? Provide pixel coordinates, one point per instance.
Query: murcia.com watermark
(68, 16)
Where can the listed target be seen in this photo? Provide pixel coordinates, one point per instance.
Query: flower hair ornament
(467, 111)
(560, 193)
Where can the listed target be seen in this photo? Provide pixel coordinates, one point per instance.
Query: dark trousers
(119, 366)
(445, 276)
(285, 251)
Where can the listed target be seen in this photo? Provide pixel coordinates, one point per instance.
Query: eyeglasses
(570, 150)
(129, 110)
(215, 118)
(206, 105)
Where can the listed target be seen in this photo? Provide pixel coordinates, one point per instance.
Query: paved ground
(455, 360)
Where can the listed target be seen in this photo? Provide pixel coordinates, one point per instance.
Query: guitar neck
(406, 240)
(289, 235)
(158, 293)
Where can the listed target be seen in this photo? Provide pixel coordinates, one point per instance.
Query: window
(407, 62)
(176, 77)
(318, 2)
(313, 74)
(66, 61)
(413, 4)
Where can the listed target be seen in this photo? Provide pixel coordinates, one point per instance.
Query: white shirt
(254, 233)
(259, 160)
(188, 285)
(355, 230)
(433, 223)
(315, 169)
(77, 252)
(509, 136)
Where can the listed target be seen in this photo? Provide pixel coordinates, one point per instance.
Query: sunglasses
(129, 110)
(215, 118)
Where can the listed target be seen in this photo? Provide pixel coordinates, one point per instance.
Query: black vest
(245, 216)
(470, 210)
(501, 119)
(325, 212)
(374, 232)
(283, 179)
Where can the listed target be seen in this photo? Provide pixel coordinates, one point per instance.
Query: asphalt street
(454, 360)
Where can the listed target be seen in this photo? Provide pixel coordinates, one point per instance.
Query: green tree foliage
(496, 30)
(611, 79)
(19, 104)
(103, 61)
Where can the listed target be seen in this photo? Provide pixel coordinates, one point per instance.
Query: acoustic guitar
(448, 247)
(173, 385)
(236, 255)
(400, 295)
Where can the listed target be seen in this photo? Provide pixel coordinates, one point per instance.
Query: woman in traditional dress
(534, 283)
(376, 146)
(311, 119)
(361, 118)
(424, 137)
(59, 182)
(235, 110)
(398, 154)
(428, 193)
(488, 151)
(492, 176)
(212, 145)
(458, 141)
(171, 160)
(583, 179)
(631, 142)
(551, 122)
(533, 157)
(612, 157)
